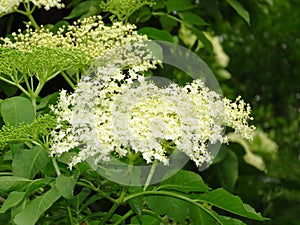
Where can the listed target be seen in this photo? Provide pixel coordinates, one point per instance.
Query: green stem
(165, 14)
(97, 190)
(122, 196)
(29, 12)
(123, 218)
(70, 214)
(174, 195)
(65, 76)
(150, 175)
(57, 170)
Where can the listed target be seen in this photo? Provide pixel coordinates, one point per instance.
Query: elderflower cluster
(117, 112)
(8, 6)
(89, 35)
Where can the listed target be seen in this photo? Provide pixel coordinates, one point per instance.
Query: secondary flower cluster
(89, 35)
(7, 6)
(113, 112)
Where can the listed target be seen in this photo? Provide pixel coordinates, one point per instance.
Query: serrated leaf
(13, 183)
(240, 10)
(228, 202)
(28, 162)
(34, 210)
(13, 199)
(156, 34)
(192, 18)
(179, 5)
(65, 185)
(17, 110)
(175, 209)
(185, 181)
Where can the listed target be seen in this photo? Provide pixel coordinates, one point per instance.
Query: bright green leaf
(34, 210)
(17, 110)
(65, 185)
(156, 34)
(175, 209)
(8, 183)
(192, 18)
(179, 5)
(240, 10)
(228, 202)
(185, 181)
(13, 199)
(28, 162)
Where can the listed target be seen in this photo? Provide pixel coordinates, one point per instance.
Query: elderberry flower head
(117, 113)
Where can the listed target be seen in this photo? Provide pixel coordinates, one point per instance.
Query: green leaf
(34, 210)
(156, 34)
(8, 183)
(13, 199)
(145, 220)
(200, 217)
(179, 5)
(167, 23)
(65, 185)
(46, 101)
(201, 37)
(226, 201)
(185, 181)
(28, 162)
(192, 18)
(17, 110)
(240, 10)
(225, 220)
(175, 209)
(227, 171)
(8, 89)
(38, 183)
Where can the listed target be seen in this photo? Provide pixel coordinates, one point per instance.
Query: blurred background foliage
(253, 47)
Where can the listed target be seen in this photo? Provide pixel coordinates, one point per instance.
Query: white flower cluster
(8, 6)
(116, 112)
(90, 35)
